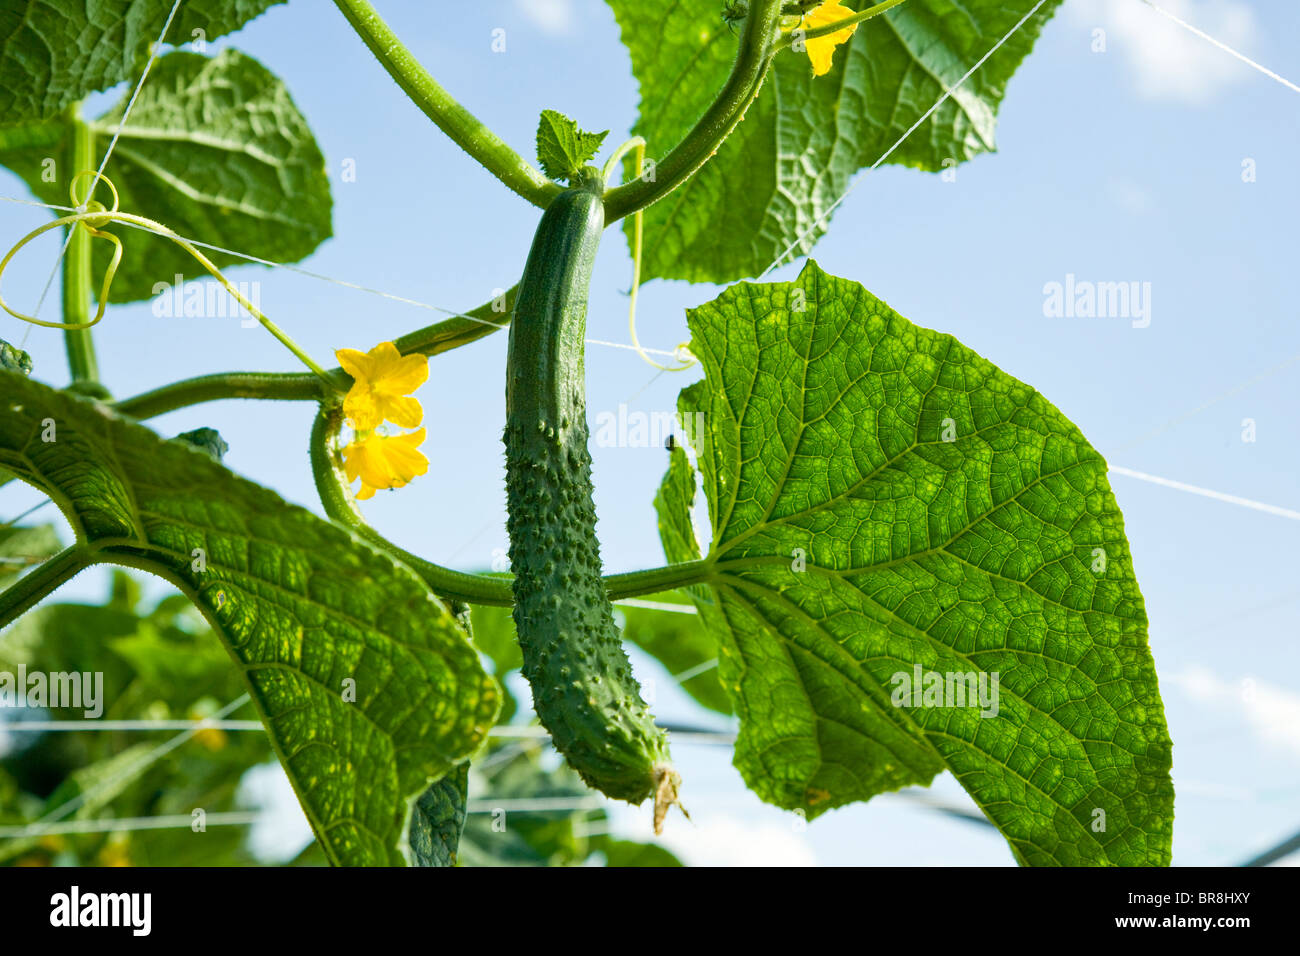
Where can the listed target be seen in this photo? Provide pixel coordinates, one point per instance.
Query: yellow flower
(384, 461)
(821, 49)
(383, 380)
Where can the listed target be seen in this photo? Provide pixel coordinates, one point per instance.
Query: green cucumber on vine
(582, 682)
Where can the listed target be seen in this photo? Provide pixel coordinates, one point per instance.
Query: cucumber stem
(42, 581)
(464, 128)
(758, 44)
(77, 275)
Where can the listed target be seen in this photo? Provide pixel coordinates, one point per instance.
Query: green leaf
(173, 669)
(438, 819)
(681, 642)
(208, 440)
(72, 638)
(14, 359)
(98, 784)
(804, 138)
(563, 148)
(493, 633)
(631, 853)
(307, 609)
(882, 498)
(553, 836)
(157, 664)
(673, 505)
(54, 52)
(21, 547)
(217, 151)
(685, 647)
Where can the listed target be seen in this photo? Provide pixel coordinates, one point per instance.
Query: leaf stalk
(464, 128)
(758, 44)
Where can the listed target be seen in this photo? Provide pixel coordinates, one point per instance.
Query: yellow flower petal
(357, 364)
(383, 379)
(405, 373)
(384, 461)
(821, 49)
(362, 409)
(403, 411)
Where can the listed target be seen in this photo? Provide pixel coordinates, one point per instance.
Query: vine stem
(451, 585)
(635, 144)
(96, 218)
(758, 44)
(332, 486)
(452, 333)
(41, 582)
(274, 386)
(825, 31)
(297, 386)
(460, 124)
(77, 277)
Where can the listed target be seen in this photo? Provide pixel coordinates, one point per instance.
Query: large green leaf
(54, 52)
(681, 642)
(438, 819)
(882, 498)
(367, 686)
(216, 150)
(802, 140)
(625, 853)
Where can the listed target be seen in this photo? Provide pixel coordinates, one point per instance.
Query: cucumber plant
(926, 514)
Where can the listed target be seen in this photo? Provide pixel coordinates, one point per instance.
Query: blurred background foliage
(160, 662)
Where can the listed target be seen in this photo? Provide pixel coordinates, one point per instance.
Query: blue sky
(1122, 165)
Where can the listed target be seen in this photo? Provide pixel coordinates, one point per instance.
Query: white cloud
(1272, 712)
(1130, 196)
(282, 830)
(723, 839)
(550, 16)
(1168, 61)
(727, 841)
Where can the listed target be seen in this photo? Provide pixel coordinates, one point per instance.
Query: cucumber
(583, 688)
